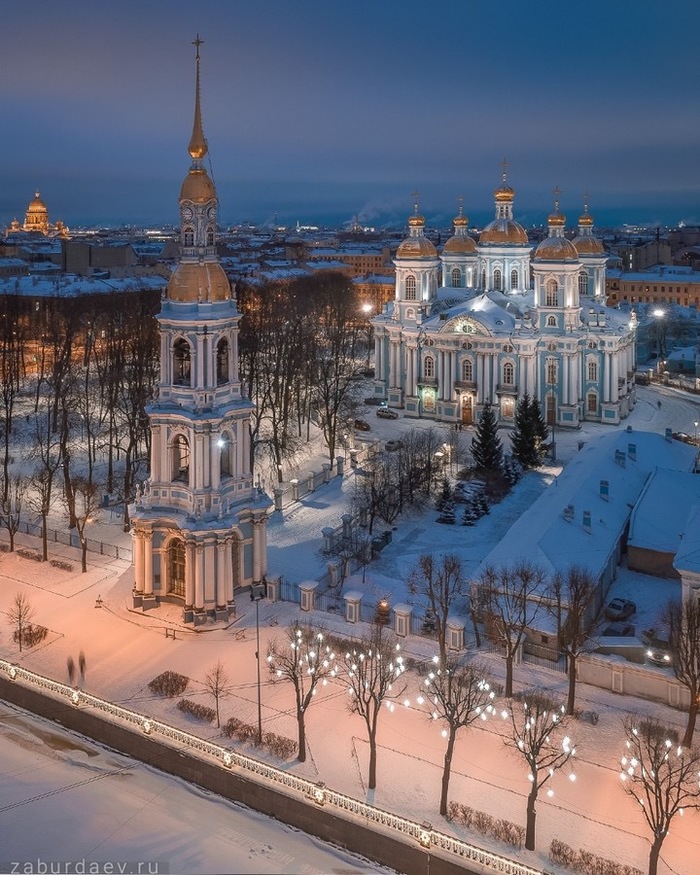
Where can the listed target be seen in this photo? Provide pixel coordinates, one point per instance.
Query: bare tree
(215, 682)
(537, 724)
(660, 774)
(572, 600)
(458, 695)
(11, 506)
(47, 451)
(20, 615)
(439, 583)
(510, 600)
(683, 620)
(86, 503)
(304, 661)
(372, 669)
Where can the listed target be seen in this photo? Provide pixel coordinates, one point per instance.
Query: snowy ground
(126, 649)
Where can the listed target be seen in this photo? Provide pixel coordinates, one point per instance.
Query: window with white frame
(592, 402)
(508, 374)
(551, 321)
(181, 459)
(514, 279)
(467, 370)
(497, 279)
(551, 293)
(429, 367)
(456, 277)
(592, 370)
(551, 371)
(410, 288)
(583, 283)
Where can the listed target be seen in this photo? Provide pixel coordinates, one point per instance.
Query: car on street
(620, 609)
(392, 446)
(362, 425)
(387, 413)
(659, 655)
(618, 630)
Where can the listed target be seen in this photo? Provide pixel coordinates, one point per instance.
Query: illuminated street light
(257, 592)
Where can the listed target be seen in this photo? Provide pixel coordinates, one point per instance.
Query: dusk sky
(318, 111)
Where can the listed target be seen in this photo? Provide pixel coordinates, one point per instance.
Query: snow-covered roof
(688, 555)
(72, 286)
(658, 523)
(553, 533)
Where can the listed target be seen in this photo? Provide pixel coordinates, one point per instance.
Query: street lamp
(658, 315)
(257, 592)
(367, 310)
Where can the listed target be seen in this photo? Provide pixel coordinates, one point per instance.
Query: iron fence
(70, 539)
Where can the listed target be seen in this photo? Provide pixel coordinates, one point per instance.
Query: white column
(565, 380)
(257, 552)
(189, 573)
(221, 581)
(228, 570)
(215, 452)
(615, 376)
(148, 563)
(138, 560)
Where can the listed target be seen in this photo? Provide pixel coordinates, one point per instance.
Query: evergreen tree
(445, 494)
(486, 444)
(529, 433)
(469, 516)
(447, 514)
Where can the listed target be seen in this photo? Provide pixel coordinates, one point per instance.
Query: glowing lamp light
(75, 697)
(147, 727)
(228, 760)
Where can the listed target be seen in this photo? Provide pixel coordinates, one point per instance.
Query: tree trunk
(301, 756)
(531, 817)
(690, 725)
(509, 676)
(572, 684)
(44, 537)
(654, 855)
(446, 771)
(83, 558)
(372, 782)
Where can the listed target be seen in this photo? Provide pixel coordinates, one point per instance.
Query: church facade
(200, 524)
(486, 321)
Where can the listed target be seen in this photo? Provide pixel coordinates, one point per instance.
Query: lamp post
(367, 310)
(658, 315)
(257, 592)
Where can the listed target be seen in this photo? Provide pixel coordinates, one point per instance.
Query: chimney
(569, 513)
(620, 458)
(605, 490)
(586, 520)
(632, 451)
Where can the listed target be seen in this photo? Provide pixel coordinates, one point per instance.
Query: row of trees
(528, 438)
(657, 771)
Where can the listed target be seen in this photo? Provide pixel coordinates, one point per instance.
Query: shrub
(279, 746)
(194, 709)
(29, 554)
(587, 862)
(169, 684)
(59, 563)
(502, 830)
(31, 635)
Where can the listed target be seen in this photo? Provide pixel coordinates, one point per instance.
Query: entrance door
(467, 410)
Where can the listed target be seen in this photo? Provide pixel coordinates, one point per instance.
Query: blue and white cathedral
(487, 321)
(200, 524)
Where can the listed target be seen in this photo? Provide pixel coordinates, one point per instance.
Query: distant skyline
(321, 111)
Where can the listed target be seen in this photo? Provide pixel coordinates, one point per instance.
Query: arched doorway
(176, 568)
(467, 410)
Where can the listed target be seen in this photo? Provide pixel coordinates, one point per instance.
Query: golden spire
(198, 145)
(556, 219)
(416, 220)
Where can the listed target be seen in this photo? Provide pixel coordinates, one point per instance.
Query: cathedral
(200, 523)
(36, 221)
(486, 321)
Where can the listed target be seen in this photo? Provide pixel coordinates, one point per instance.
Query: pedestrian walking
(70, 665)
(81, 665)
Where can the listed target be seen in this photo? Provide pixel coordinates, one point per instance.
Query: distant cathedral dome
(460, 243)
(417, 244)
(586, 243)
(503, 231)
(37, 216)
(556, 247)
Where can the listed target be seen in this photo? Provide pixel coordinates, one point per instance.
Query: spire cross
(556, 193)
(460, 201)
(415, 202)
(197, 42)
(585, 202)
(504, 165)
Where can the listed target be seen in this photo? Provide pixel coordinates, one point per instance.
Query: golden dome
(585, 220)
(199, 281)
(460, 221)
(588, 245)
(416, 247)
(555, 249)
(36, 205)
(504, 194)
(197, 187)
(503, 231)
(416, 221)
(557, 220)
(460, 244)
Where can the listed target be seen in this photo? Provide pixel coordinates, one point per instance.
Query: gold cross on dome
(504, 165)
(197, 42)
(556, 193)
(415, 202)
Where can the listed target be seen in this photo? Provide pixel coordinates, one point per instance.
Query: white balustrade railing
(317, 793)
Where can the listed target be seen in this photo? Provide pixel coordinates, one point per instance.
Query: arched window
(181, 459)
(429, 367)
(189, 237)
(583, 283)
(508, 374)
(551, 372)
(467, 370)
(592, 402)
(592, 371)
(497, 279)
(551, 321)
(514, 279)
(410, 288)
(225, 450)
(176, 567)
(456, 277)
(483, 279)
(182, 363)
(210, 237)
(551, 293)
(222, 362)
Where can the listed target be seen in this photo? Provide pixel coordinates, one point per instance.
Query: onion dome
(556, 247)
(504, 230)
(460, 243)
(205, 282)
(586, 243)
(416, 245)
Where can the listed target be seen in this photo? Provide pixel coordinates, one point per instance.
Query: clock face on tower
(211, 213)
(187, 214)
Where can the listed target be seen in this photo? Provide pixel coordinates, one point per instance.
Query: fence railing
(70, 539)
(308, 791)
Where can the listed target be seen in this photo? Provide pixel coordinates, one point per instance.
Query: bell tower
(199, 525)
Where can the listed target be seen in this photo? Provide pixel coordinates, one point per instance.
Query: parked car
(620, 609)
(619, 630)
(374, 402)
(658, 650)
(391, 446)
(387, 413)
(362, 425)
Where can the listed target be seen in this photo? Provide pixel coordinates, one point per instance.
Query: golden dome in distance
(556, 247)
(586, 243)
(460, 243)
(36, 205)
(204, 282)
(504, 230)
